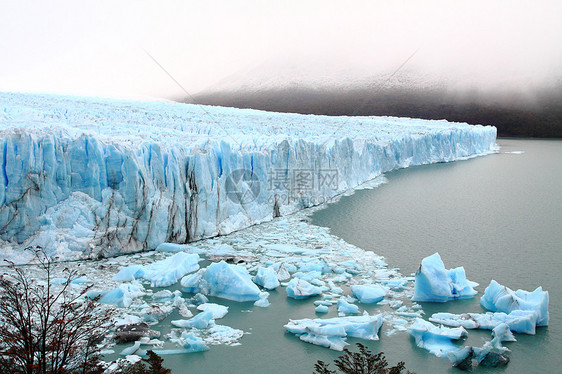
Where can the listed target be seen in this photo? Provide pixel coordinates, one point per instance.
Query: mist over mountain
(518, 105)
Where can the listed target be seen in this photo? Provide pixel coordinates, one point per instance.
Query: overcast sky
(97, 47)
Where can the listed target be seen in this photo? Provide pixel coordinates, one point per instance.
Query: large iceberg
(224, 280)
(437, 284)
(333, 332)
(498, 298)
(90, 177)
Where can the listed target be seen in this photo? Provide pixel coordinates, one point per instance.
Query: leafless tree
(48, 327)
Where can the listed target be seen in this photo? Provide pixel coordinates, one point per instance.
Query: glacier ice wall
(95, 177)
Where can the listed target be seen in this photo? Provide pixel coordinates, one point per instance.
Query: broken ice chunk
(368, 293)
(267, 278)
(345, 308)
(122, 296)
(232, 282)
(437, 340)
(301, 289)
(437, 284)
(217, 310)
(162, 273)
(498, 298)
(521, 321)
(333, 332)
(166, 272)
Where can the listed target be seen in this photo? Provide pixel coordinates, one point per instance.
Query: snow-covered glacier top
(132, 123)
(94, 177)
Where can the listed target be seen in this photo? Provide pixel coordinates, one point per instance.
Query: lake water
(499, 216)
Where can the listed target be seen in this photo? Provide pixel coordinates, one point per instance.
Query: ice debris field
(89, 178)
(173, 285)
(92, 178)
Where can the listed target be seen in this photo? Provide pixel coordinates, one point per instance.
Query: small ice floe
(156, 313)
(437, 340)
(514, 152)
(263, 302)
(202, 320)
(395, 284)
(188, 341)
(301, 289)
(218, 311)
(368, 293)
(405, 312)
(491, 354)
(162, 295)
(267, 278)
(345, 308)
(435, 283)
(122, 296)
(281, 271)
(232, 282)
(162, 273)
(333, 332)
(135, 349)
(521, 321)
(498, 298)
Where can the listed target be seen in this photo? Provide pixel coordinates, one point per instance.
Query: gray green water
(499, 216)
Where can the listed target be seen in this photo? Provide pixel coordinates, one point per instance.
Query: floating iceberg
(267, 278)
(201, 321)
(333, 332)
(437, 340)
(190, 343)
(492, 353)
(218, 311)
(367, 294)
(162, 273)
(521, 321)
(437, 284)
(122, 296)
(301, 289)
(345, 308)
(89, 177)
(498, 298)
(232, 282)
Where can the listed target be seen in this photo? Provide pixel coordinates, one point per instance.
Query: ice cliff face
(95, 177)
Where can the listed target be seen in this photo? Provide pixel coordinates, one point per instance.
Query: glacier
(90, 177)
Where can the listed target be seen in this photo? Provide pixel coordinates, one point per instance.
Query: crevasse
(87, 177)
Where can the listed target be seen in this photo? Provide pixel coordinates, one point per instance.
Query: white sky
(96, 47)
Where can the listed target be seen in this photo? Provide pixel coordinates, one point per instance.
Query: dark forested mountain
(535, 112)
